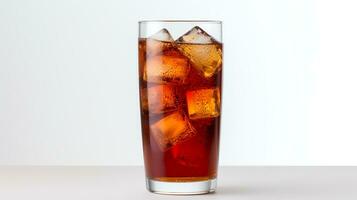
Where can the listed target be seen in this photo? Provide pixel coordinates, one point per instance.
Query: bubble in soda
(202, 50)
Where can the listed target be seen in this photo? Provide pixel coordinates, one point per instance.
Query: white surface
(69, 89)
(253, 183)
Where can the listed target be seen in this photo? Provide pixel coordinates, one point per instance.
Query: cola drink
(180, 99)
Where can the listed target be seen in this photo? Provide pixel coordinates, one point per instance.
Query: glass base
(181, 188)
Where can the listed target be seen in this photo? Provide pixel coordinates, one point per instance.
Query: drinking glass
(180, 78)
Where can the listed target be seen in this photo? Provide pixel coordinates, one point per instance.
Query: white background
(69, 88)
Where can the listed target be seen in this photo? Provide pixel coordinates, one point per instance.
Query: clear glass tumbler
(180, 77)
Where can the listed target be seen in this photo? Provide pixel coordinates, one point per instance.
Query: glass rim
(181, 21)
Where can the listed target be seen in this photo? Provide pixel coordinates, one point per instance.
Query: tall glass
(180, 76)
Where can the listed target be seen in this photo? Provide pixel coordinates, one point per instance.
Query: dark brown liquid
(196, 157)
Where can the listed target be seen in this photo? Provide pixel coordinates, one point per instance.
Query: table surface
(94, 182)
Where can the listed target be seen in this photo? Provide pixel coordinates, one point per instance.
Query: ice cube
(203, 103)
(159, 42)
(171, 67)
(158, 99)
(196, 36)
(171, 130)
(203, 50)
(162, 35)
